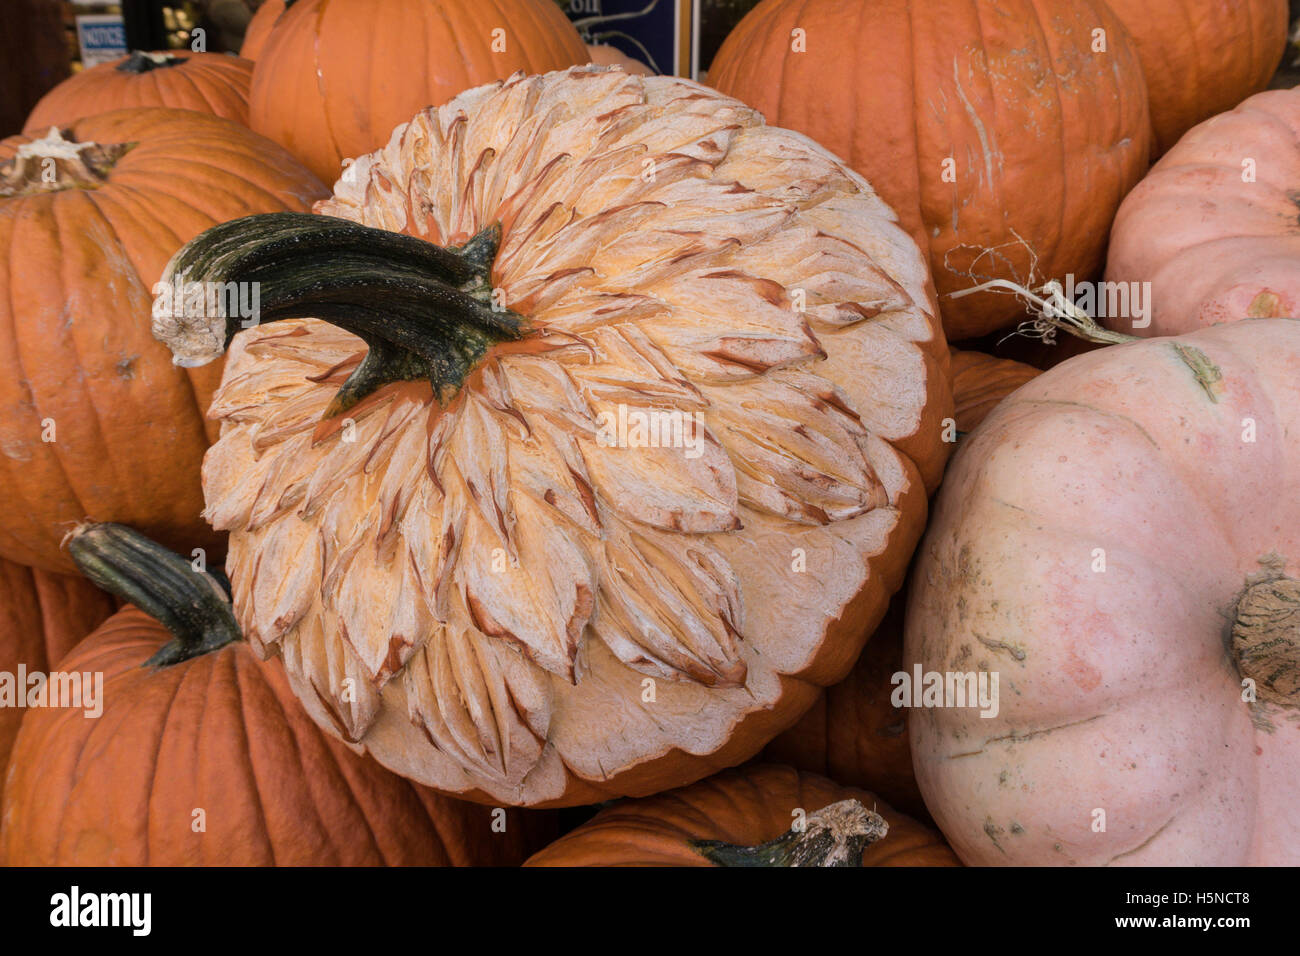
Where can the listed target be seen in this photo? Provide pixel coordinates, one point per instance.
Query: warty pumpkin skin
(1216, 248)
(334, 77)
(1045, 136)
(508, 576)
(79, 364)
(739, 808)
(42, 616)
(223, 734)
(1201, 57)
(205, 82)
(1120, 541)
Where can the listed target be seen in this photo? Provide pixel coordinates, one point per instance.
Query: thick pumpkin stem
(425, 312)
(1266, 639)
(190, 603)
(1055, 312)
(141, 62)
(59, 162)
(833, 836)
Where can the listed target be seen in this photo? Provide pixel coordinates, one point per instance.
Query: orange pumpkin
(42, 616)
(980, 382)
(95, 420)
(602, 54)
(334, 77)
(1201, 57)
(208, 759)
(206, 82)
(999, 130)
(259, 28)
(744, 818)
(524, 595)
(854, 734)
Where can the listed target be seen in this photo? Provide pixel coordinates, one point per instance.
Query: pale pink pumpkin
(1215, 226)
(1120, 542)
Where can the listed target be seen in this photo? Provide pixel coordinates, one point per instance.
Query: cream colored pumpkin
(1120, 542)
(491, 597)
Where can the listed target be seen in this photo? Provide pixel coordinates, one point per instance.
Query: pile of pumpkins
(369, 581)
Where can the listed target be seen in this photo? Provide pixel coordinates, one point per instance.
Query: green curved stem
(424, 311)
(191, 604)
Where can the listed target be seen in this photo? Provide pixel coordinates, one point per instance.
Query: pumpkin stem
(1055, 312)
(425, 312)
(142, 62)
(833, 836)
(190, 603)
(1266, 636)
(59, 162)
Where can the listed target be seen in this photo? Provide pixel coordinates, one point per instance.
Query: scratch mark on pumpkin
(1020, 738)
(1143, 845)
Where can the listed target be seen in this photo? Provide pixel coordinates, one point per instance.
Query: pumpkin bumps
(494, 597)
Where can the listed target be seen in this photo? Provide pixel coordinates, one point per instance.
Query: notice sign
(101, 36)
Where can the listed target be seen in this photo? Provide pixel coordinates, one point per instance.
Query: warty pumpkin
(449, 514)
(202, 755)
(1119, 542)
(1213, 227)
(334, 77)
(1201, 57)
(206, 82)
(757, 816)
(42, 616)
(94, 418)
(1002, 139)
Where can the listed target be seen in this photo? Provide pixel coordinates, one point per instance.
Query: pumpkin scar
(1016, 652)
(1100, 411)
(1143, 845)
(1020, 738)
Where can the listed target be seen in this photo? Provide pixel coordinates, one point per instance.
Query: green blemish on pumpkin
(1208, 375)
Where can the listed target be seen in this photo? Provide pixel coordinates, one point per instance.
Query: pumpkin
(449, 514)
(335, 76)
(207, 82)
(748, 817)
(1202, 58)
(1003, 141)
(855, 734)
(259, 28)
(205, 757)
(41, 617)
(1212, 228)
(1119, 542)
(94, 417)
(980, 382)
(603, 54)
